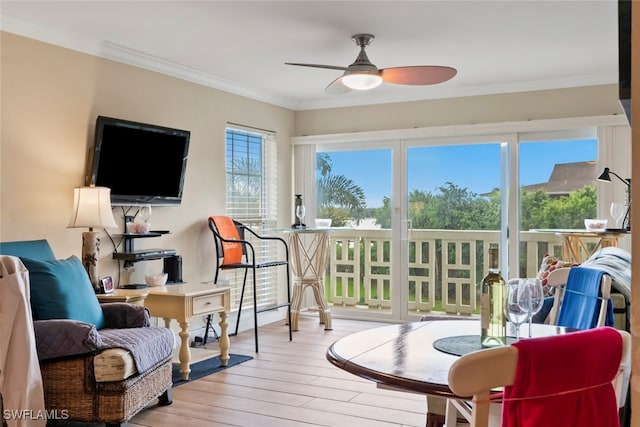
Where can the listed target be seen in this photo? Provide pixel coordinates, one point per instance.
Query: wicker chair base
(69, 386)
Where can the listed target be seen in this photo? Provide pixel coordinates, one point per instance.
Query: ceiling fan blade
(418, 75)
(337, 87)
(330, 67)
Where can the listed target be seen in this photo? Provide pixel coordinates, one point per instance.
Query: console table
(182, 302)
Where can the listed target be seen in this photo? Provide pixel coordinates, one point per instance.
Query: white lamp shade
(92, 208)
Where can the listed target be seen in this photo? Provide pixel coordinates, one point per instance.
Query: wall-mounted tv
(141, 163)
(624, 55)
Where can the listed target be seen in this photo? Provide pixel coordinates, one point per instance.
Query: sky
(475, 167)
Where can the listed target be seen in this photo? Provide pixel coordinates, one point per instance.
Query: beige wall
(51, 97)
(550, 104)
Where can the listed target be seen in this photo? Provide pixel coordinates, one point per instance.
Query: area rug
(206, 367)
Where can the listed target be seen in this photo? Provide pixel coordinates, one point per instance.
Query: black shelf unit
(131, 256)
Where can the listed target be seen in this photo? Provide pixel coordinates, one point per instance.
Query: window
(250, 176)
(251, 189)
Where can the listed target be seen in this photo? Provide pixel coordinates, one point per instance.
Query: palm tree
(337, 196)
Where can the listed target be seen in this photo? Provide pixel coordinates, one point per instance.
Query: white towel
(617, 263)
(20, 378)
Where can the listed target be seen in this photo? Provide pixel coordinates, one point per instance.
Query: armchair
(98, 363)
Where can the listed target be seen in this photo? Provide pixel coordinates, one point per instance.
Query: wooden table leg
(224, 339)
(185, 353)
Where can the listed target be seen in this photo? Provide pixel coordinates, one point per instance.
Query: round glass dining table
(405, 357)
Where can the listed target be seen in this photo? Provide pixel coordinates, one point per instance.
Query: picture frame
(106, 285)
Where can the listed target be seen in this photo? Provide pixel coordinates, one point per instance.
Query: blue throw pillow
(60, 289)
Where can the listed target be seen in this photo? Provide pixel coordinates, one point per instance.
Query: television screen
(141, 163)
(624, 55)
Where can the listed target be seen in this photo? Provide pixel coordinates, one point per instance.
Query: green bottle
(492, 299)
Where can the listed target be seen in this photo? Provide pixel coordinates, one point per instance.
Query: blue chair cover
(581, 302)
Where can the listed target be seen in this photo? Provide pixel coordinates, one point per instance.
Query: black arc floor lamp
(605, 177)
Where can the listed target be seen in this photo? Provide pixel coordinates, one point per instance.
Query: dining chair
(583, 386)
(578, 296)
(234, 251)
(581, 298)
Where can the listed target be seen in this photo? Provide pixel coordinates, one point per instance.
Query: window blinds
(251, 190)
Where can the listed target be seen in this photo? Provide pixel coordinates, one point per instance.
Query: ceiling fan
(363, 75)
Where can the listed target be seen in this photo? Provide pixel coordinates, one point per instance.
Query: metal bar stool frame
(249, 263)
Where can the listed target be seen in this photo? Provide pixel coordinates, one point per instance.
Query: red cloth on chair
(228, 230)
(565, 380)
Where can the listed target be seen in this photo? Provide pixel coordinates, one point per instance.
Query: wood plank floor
(287, 384)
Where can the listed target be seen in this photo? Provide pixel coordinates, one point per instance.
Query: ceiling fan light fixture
(361, 81)
(363, 75)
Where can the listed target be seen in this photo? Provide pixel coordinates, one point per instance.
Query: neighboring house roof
(568, 177)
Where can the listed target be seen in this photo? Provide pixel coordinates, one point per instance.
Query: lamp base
(90, 256)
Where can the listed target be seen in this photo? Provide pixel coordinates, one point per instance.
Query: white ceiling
(241, 46)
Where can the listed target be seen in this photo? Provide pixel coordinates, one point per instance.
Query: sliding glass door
(557, 181)
(417, 218)
(413, 218)
(454, 202)
(354, 189)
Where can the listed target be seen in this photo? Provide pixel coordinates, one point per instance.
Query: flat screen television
(141, 163)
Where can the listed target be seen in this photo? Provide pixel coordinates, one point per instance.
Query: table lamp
(91, 209)
(605, 177)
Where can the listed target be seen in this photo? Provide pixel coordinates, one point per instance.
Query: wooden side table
(181, 302)
(308, 261)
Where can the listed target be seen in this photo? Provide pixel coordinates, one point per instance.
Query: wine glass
(300, 211)
(531, 298)
(515, 313)
(617, 212)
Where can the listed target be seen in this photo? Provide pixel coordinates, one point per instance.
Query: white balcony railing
(445, 267)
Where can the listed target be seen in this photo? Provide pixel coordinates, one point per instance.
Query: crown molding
(115, 52)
